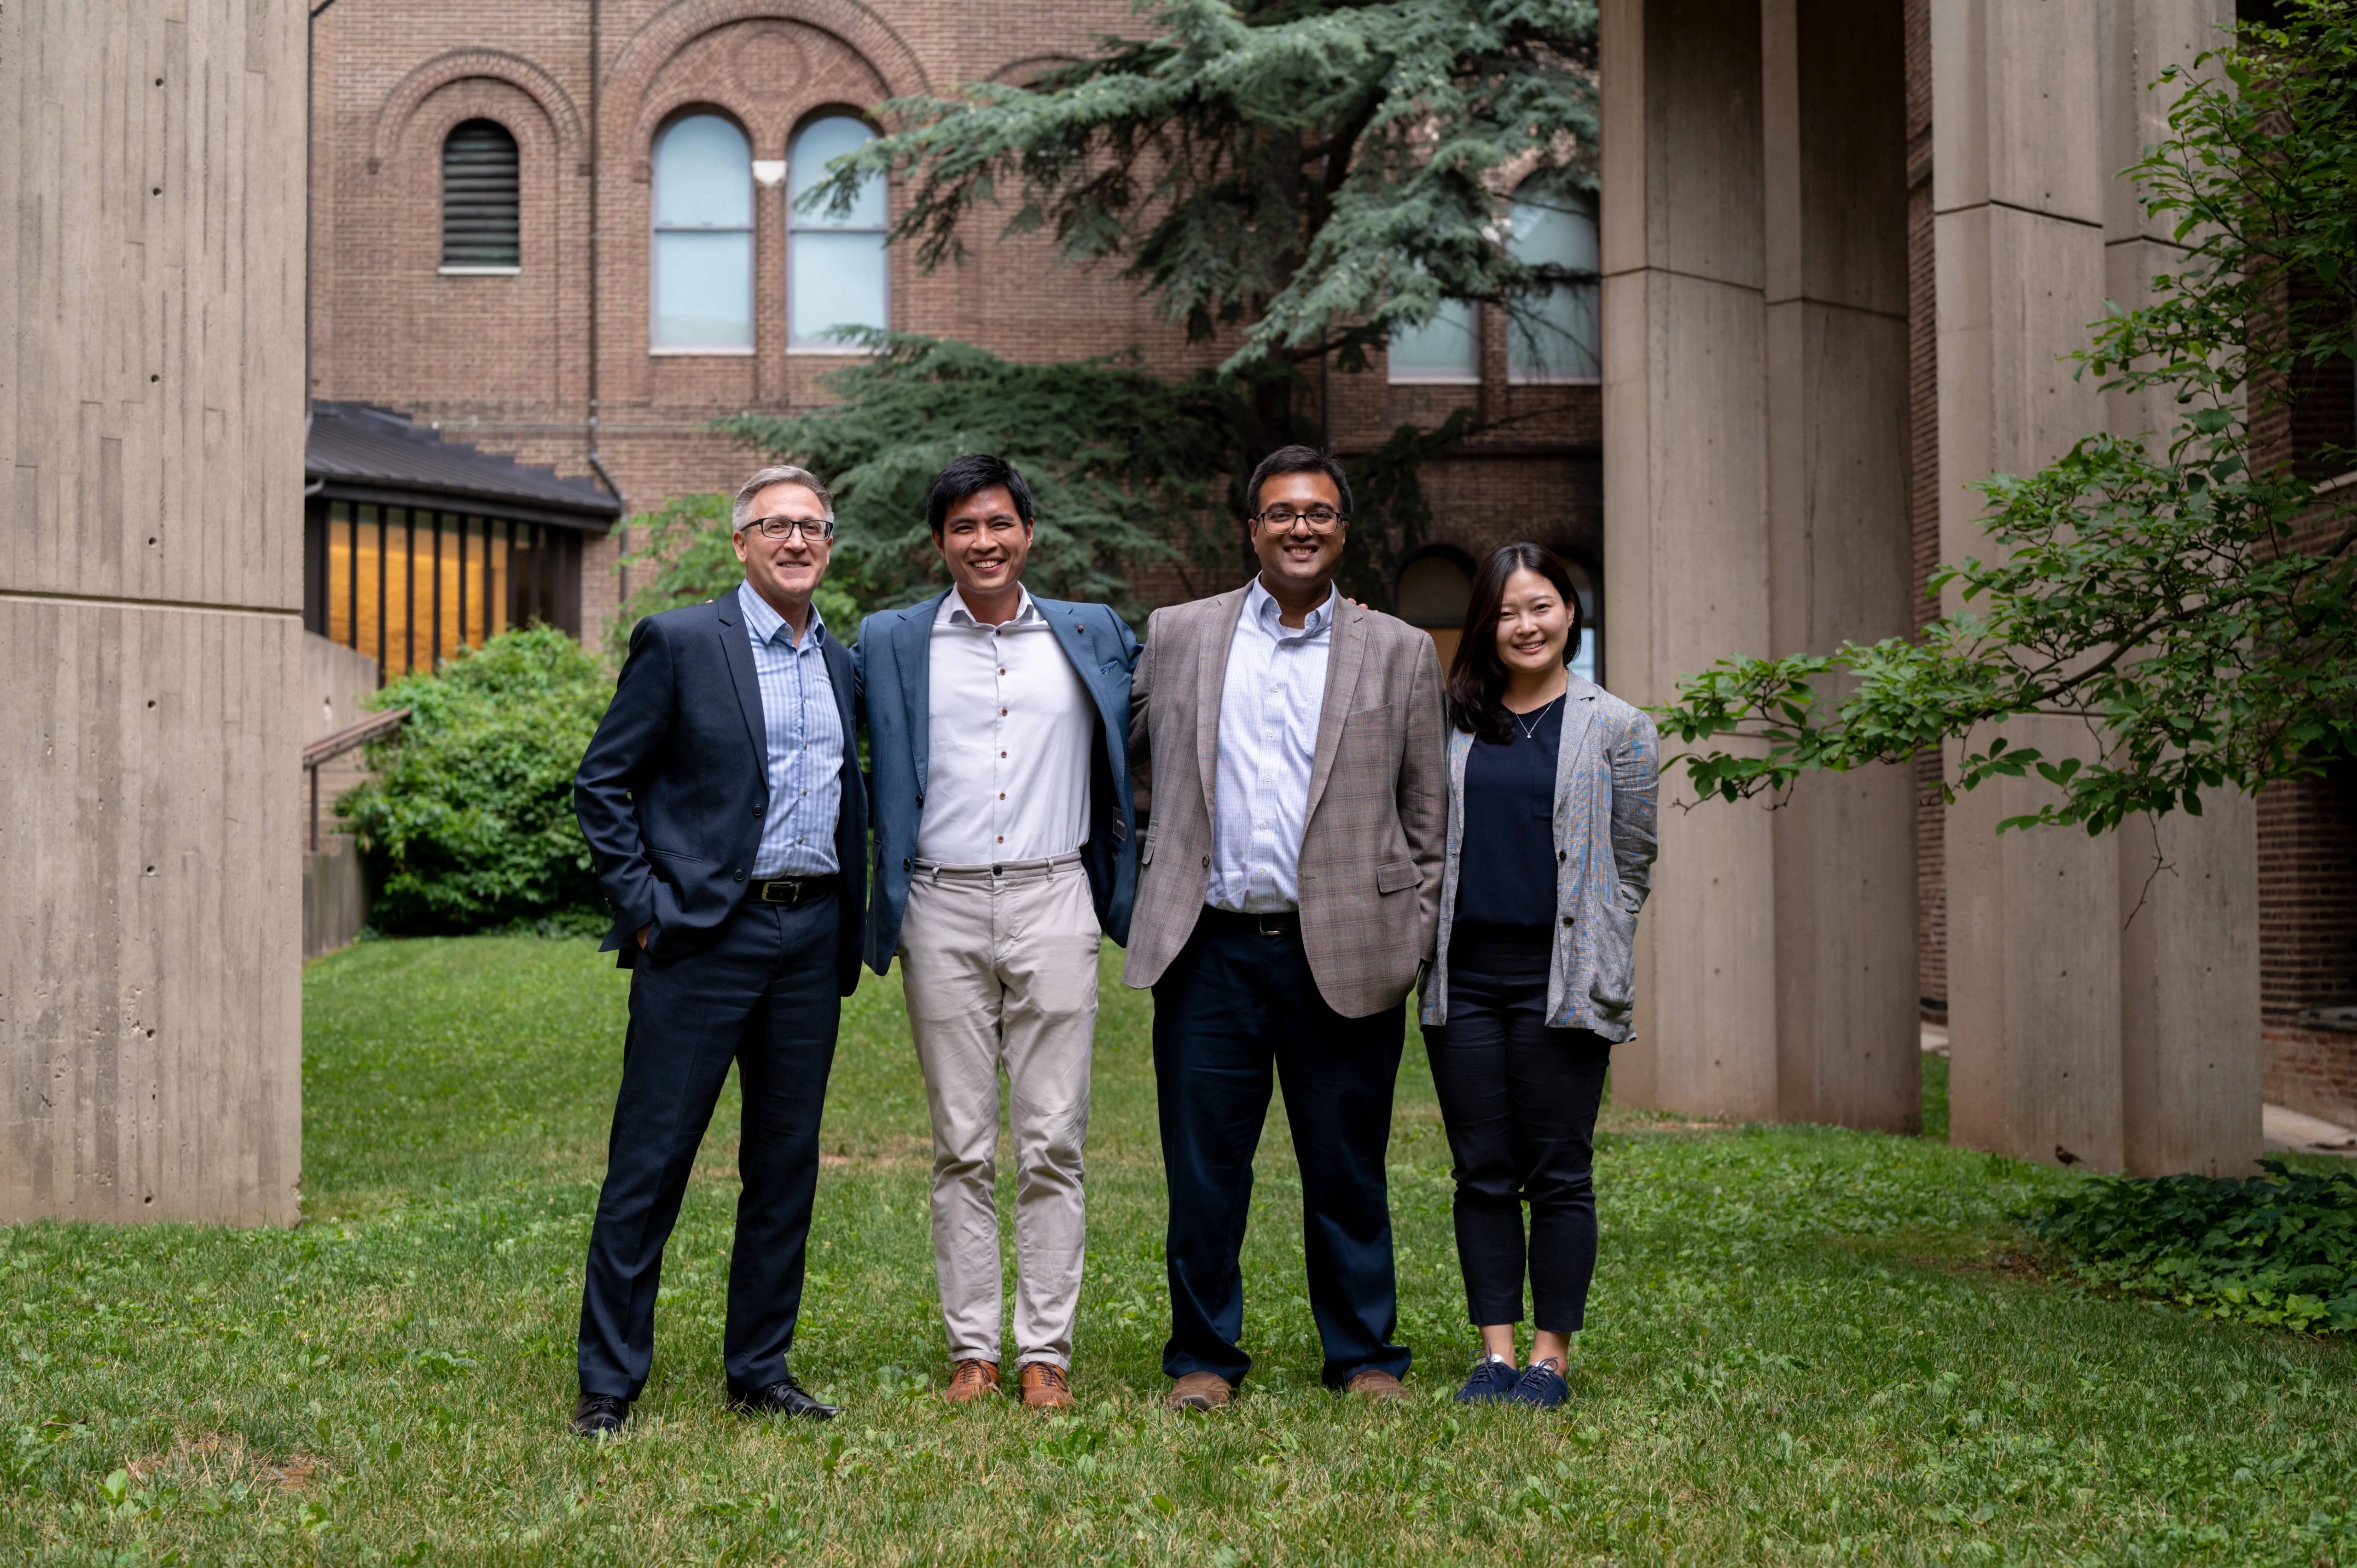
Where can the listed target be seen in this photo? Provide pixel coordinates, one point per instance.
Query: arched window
(704, 238)
(835, 262)
(1557, 340)
(1435, 587)
(1444, 349)
(479, 201)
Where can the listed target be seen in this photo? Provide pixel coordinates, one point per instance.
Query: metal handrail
(349, 738)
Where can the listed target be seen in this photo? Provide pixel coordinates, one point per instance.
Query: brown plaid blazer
(1376, 833)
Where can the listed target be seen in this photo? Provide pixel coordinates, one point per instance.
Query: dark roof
(362, 453)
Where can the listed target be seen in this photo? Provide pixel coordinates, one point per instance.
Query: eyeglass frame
(791, 526)
(1341, 519)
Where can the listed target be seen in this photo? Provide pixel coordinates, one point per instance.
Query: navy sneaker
(1492, 1380)
(1541, 1387)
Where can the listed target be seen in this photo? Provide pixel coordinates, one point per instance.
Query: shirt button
(1002, 794)
(920, 800)
(1002, 838)
(1002, 712)
(1566, 919)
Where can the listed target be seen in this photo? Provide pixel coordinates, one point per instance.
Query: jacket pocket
(1397, 877)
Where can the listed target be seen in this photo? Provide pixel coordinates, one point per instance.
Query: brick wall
(504, 361)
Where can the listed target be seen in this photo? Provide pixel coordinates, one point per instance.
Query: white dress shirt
(804, 731)
(1009, 727)
(1269, 708)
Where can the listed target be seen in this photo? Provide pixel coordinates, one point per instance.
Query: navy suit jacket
(672, 790)
(895, 658)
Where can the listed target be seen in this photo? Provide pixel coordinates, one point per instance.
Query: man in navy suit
(998, 725)
(723, 806)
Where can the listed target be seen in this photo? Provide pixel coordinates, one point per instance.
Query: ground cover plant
(1804, 1345)
(2275, 1248)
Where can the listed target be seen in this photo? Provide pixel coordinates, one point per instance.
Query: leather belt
(1275, 923)
(793, 890)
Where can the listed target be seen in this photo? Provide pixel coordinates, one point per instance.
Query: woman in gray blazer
(1551, 796)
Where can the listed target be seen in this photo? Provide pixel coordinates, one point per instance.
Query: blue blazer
(895, 663)
(671, 792)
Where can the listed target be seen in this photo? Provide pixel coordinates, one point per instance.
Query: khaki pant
(1001, 972)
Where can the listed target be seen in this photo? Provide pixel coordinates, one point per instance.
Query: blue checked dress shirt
(805, 741)
(1269, 708)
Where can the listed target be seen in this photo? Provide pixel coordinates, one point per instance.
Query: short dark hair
(1477, 676)
(969, 476)
(1295, 460)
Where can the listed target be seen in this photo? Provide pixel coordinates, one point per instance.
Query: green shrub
(2275, 1249)
(468, 823)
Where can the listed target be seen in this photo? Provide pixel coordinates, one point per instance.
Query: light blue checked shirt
(805, 739)
(1269, 708)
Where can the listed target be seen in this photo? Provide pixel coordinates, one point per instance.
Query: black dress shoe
(600, 1415)
(784, 1396)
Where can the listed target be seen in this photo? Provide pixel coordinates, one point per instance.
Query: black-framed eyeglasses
(1318, 519)
(814, 529)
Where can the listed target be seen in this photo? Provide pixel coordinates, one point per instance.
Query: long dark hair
(1477, 676)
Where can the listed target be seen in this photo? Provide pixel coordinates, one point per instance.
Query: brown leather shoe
(1044, 1386)
(1375, 1386)
(1200, 1390)
(969, 1381)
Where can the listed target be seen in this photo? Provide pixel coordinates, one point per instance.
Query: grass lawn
(1804, 1345)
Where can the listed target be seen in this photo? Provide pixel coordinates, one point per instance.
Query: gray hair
(783, 474)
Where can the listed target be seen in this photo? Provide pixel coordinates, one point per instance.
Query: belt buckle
(1269, 925)
(791, 884)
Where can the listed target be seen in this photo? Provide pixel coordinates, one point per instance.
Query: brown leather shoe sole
(1376, 1387)
(969, 1381)
(1200, 1390)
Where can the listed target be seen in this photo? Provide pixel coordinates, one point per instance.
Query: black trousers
(762, 994)
(1235, 1007)
(1520, 1101)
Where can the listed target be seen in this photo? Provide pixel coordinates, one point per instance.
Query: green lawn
(1804, 1345)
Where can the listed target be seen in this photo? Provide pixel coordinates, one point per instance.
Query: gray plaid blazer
(1371, 853)
(1605, 779)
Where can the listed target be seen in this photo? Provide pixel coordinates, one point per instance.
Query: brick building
(562, 232)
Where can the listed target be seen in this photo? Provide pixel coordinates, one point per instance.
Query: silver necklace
(1537, 718)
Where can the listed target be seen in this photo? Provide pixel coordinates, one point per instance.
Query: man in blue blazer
(723, 806)
(999, 729)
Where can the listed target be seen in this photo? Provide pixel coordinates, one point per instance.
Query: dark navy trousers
(763, 994)
(1236, 1009)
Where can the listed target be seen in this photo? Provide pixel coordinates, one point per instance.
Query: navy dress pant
(1237, 1008)
(763, 994)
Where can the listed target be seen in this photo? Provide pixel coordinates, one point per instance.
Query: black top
(1505, 868)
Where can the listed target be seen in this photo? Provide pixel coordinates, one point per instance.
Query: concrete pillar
(1686, 548)
(2062, 1036)
(150, 602)
(1840, 552)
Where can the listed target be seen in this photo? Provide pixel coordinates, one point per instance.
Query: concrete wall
(335, 683)
(150, 402)
(2103, 992)
(1755, 372)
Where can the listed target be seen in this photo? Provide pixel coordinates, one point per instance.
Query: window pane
(495, 577)
(1443, 349)
(818, 144)
(704, 290)
(339, 573)
(367, 624)
(1562, 342)
(396, 591)
(703, 176)
(834, 280)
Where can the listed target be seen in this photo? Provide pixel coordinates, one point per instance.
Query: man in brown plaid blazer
(1289, 757)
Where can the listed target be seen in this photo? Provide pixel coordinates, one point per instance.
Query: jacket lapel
(1578, 713)
(1210, 679)
(1346, 652)
(737, 653)
(912, 649)
(839, 675)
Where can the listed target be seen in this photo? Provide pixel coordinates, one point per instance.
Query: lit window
(480, 204)
(703, 237)
(835, 262)
(1444, 348)
(1556, 338)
